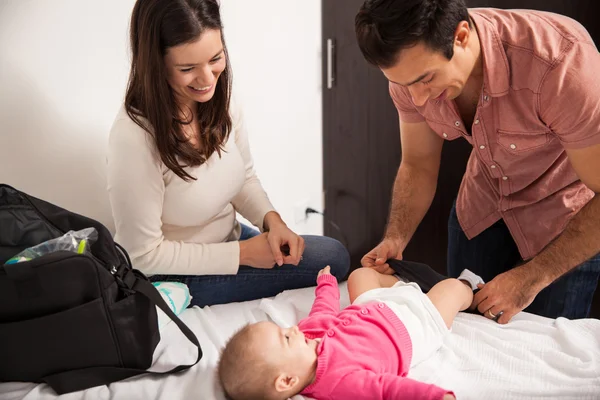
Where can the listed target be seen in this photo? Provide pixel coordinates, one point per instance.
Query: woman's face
(193, 69)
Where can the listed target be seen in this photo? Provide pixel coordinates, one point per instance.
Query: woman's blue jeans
(253, 283)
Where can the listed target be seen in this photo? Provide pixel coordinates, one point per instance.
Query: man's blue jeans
(252, 283)
(494, 251)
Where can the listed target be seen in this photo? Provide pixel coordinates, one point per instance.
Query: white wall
(63, 70)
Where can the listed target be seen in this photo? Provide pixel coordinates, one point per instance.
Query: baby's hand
(324, 271)
(449, 397)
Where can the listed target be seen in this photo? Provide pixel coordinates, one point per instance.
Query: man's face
(429, 75)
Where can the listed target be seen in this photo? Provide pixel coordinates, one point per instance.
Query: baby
(362, 352)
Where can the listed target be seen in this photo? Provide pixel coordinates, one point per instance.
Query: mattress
(530, 358)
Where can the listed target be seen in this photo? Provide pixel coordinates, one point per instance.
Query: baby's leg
(450, 296)
(362, 280)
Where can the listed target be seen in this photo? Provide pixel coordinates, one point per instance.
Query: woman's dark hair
(385, 27)
(156, 26)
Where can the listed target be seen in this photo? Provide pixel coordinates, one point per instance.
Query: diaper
(176, 295)
(425, 325)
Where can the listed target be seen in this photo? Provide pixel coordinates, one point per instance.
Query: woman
(180, 167)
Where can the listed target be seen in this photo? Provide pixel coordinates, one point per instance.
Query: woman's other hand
(280, 235)
(256, 252)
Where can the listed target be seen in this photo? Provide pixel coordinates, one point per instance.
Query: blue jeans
(494, 251)
(253, 283)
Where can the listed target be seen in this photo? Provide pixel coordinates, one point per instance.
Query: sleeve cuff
(256, 210)
(439, 393)
(326, 278)
(410, 116)
(230, 256)
(581, 144)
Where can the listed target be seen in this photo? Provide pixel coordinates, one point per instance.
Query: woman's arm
(252, 201)
(136, 191)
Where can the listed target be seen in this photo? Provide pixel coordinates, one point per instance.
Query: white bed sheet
(531, 358)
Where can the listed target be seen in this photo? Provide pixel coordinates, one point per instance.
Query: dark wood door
(361, 144)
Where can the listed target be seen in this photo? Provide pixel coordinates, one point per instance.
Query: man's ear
(462, 34)
(285, 383)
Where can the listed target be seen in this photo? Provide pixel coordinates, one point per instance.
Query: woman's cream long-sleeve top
(170, 226)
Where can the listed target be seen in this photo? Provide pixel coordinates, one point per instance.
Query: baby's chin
(313, 343)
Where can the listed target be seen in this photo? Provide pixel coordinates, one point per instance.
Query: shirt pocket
(521, 142)
(445, 130)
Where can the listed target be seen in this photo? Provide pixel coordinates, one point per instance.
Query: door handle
(330, 61)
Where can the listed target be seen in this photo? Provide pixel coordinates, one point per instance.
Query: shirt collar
(496, 72)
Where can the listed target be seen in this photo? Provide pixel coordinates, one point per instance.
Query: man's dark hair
(385, 27)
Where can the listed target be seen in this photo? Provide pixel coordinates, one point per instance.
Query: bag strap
(75, 380)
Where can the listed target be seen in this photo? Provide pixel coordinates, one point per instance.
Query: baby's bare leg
(362, 280)
(450, 296)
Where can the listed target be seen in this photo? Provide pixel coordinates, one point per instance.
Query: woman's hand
(280, 235)
(256, 252)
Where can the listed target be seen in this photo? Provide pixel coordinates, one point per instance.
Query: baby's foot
(470, 279)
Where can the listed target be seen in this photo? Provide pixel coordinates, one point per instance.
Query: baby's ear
(285, 383)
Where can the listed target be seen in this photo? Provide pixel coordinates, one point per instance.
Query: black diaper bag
(70, 320)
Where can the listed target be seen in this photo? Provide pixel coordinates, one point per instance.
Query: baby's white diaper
(176, 295)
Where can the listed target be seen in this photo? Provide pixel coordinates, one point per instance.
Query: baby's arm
(367, 385)
(327, 299)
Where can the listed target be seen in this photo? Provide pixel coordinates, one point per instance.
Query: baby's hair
(243, 372)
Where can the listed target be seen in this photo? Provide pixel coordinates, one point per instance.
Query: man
(523, 87)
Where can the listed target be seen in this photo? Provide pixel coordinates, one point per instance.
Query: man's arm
(413, 193)
(570, 107)
(516, 289)
(580, 241)
(416, 181)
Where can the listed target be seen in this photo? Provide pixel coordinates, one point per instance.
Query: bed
(531, 358)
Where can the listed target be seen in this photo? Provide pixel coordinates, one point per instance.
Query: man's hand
(378, 257)
(508, 293)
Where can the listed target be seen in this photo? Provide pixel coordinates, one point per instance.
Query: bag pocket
(76, 338)
(136, 325)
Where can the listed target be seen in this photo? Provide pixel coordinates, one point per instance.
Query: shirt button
(457, 123)
(513, 146)
(445, 135)
(486, 98)
(330, 333)
(505, 178)
(346, 322)
(364, 311)
(381, 305)
(482, 147)
(493, 167)
(476, 122)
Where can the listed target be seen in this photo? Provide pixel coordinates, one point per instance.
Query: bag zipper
(40, 214)
(112, 270)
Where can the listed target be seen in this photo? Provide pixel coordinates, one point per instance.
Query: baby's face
(286, 348)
